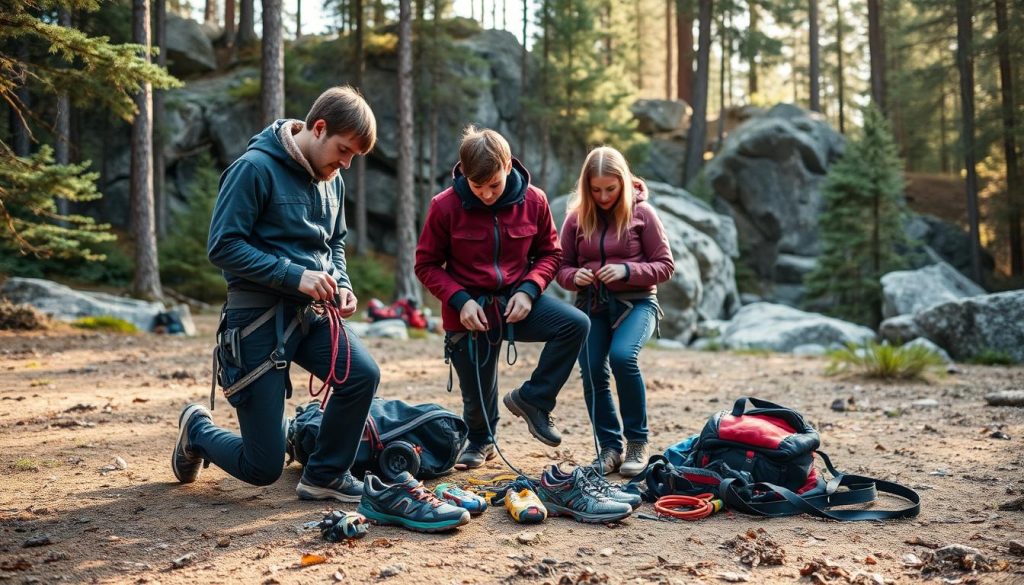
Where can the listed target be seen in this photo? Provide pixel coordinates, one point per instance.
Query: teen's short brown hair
(483, 154)
(345, 111)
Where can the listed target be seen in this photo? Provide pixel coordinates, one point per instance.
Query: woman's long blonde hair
(603, 161)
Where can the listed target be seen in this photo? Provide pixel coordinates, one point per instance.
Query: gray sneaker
(608, 461)
(474, 456)
(344, 489)
(186, 464)
(541, 423)
(635, 460)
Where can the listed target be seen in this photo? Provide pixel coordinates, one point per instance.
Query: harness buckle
(279, 364)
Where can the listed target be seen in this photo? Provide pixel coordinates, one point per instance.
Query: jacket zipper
(603, 234)
(497, 250)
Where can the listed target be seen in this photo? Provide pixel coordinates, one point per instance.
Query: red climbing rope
(337, 326)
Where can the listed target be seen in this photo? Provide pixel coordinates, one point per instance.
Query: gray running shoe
(186, 464)
(344, 489)
(635, 460)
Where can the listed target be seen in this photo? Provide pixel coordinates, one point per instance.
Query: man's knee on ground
(265, 474)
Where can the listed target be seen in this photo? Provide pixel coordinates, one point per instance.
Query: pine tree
(103, 75)
(861, 227)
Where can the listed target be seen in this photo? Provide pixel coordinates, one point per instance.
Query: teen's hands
(348, 304)
(611, 272)
(583, 277)
(319, 285)
(472, 316)
(519, 306)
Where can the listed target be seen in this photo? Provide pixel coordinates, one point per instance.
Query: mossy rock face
(22, 317)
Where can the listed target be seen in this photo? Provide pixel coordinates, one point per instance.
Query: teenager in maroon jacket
(488, 250)
(614, 253)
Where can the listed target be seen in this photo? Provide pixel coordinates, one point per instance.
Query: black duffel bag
(423, 439)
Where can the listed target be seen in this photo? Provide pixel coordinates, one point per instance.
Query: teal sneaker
(408, 504)
(457, 496)
(573, 494)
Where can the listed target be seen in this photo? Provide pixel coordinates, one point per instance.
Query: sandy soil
(71, 403)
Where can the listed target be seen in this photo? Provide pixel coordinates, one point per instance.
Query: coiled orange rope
(688, 507)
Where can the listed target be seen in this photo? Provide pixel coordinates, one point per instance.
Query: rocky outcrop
(189, 50)
(784, 329)
(908, 291)
(65, 304)
(970, 326)
(768, 177)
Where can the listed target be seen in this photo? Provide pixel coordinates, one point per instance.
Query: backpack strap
(860, 489)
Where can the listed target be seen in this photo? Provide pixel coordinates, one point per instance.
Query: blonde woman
(614, 254)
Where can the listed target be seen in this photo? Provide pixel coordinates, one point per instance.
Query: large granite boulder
(942, 241)
(908, 291)
(969, 326)
(66, 304)
(768, 177)
(189, 50)
(680, 203)
(661, 116)
(783, 329)
(899, 329)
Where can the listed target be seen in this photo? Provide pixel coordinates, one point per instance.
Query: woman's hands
(606, 274)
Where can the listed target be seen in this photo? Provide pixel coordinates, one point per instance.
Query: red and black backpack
(762, 461)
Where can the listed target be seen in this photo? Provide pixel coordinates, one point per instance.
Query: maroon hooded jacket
(468, 249)
(643, 249)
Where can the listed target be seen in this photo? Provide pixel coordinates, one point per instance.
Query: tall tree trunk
(434, 116)
(229, 23)
(298, 19)
(272, 64)
(669, 70)
(606, 22)
(524, 66)
(943, 124)
(684, 38)
(720, 133)
(21, 137)
(494, 13)
(545, 127)
(815, 63)
(62, 123)
(246, 23)
(483, 14)
(210, 12)
(504, 16)
(362, 221)
(146, 283)
(965, 64)
(405, 279)
(841, 76)
(639, 45)
(876, 48)
(380, 16)
(1013, 182)
(695, 138)
(752, 84)
(159, 192)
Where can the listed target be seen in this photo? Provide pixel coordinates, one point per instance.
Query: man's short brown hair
(345, 112)
(483, 154)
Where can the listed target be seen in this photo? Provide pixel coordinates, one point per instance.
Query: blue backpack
(423, 439)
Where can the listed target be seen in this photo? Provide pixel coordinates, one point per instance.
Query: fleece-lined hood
(515, 188)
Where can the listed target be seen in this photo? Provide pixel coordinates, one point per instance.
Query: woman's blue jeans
(615, 352)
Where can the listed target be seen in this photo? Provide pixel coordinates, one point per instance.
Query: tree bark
(965, 64)
(841, 76)
(405, 280)
(698, 124)
(229, 23)
(668, 49)
(724, 57)
(298, 19)
(639, 45)
(684, 38)
(1013, 172)
(272, 64)
(21, 140)
(545, 128)
(146, 283)
(752, 81)
(524, 67)
(159, 191)
(815, 63)
(876, 48)
(246, 23)
(62, 123)
(362, 221)
(210, 12)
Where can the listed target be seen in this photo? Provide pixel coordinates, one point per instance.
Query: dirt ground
(72, 403)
